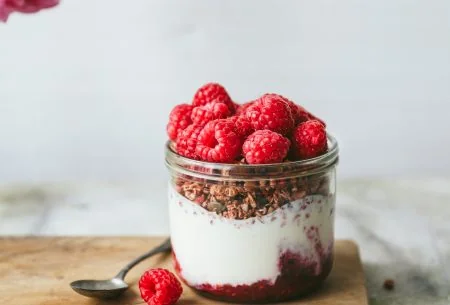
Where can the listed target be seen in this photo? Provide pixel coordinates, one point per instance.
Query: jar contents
(251, 218)
(263, 244)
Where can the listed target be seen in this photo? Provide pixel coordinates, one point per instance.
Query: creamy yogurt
(217, 250)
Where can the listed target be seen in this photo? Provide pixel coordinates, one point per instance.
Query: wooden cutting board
(38, 270)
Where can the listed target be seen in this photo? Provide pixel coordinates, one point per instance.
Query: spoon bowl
(106, 289)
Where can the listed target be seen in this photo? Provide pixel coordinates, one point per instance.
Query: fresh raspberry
(242, 126)
(212, 92)
(271, 112)
(299, 113)
(309, 139)
(265, 146)
(160, 287)
(291, 104)
(187, 141)
(218, 142)
(209, 112)
(179, 119)
(242, 108)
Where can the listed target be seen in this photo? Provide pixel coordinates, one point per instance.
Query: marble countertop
(401, 225)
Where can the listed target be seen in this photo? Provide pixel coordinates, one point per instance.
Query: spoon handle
(164, 247)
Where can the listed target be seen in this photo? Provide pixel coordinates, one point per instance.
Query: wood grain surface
(38, 270)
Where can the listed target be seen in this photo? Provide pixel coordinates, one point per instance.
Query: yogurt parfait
(251, 197)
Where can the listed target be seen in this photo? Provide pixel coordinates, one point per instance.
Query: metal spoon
(107, 289)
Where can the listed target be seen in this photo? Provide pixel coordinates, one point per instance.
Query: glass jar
(253, 233)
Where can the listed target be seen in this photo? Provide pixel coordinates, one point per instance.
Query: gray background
(86, 88)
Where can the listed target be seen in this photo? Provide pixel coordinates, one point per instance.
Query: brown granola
(242, 200)
(389, 284)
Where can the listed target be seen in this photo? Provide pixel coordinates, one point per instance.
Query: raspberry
(309, 139)
(179, 119)
(187, 141)
(159, 287)
(242, 126)
(271, 112)
(265, 146)
(212, 92)
(299, 113)
(218, 142)
(209, 112)
(242, 108)
(291, 104)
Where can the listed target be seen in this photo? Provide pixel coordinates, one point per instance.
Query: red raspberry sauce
(298, 276)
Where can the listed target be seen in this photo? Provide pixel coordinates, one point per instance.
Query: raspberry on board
(271, 112)
(212, 92)
(187, 141)
(179, 119)
(209, 112)
(160, 287)
(218, 142)
(264, 147)
(309, 140)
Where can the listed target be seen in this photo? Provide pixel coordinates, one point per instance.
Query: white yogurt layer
(216, 250)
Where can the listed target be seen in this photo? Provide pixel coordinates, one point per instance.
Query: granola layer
(242, 200)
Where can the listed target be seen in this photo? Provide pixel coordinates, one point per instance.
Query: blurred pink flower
(23, 6)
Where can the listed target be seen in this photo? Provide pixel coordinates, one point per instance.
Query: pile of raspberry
(270, 129)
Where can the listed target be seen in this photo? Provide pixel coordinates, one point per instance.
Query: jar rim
(232, 171)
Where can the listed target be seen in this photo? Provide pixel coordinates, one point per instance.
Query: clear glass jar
(253, 233)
